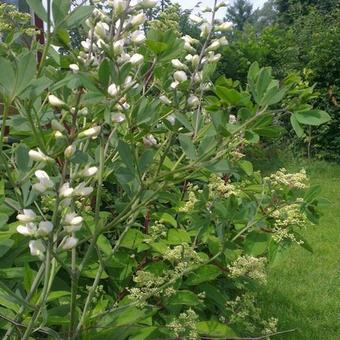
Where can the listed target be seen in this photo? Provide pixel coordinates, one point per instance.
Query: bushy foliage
(128, 208)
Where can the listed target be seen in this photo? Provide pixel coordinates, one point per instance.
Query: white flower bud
(28, 229)
(205, 30)
(196, 19)
(190, 40)
(55, 101)
(83, 112)
(101, 30)
(113, 90)
(224, 27)
(188, 58)
(70, 243)
(89, 172)
(223, 41)
(138, 19)
(171, 119)
(45, 228)
(37, 248)
(44, 182)
(56, 125)
(215, 45)
(138, 37)
(123, 58)
(149, 140)
(86, 44)
(178, 64)
(38, 156)
(118, 118)
(180, 76)
(188, 47)
(101, 44)
(195, 60)
(174, 85)
(73, 219)
(137, 59)
(92, 132)
(65, 191)
(165, 100)
(119, 6)
(69, 151)
(118, 46)
(193, 101)
(128, 82)
(27, 216)
(74, 68)
(82, 190)
(232, 119)
(58, 134)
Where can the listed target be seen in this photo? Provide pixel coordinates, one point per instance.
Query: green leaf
(78, 16)
(312, 193)
(296, 126)
(178, 236)
(26, 71)
(167, 218)
(156, 46)
(247, 167)
(21, 157)
(132, 239)
(205, 273)
(38, 8)
(56, 295)
(312, 117)
(273, 95)
(214, 328)
(188, 146)
(60, 10)
(230, 96)
(125, 154)
(183, 297)
(104, 73)
(7, 77)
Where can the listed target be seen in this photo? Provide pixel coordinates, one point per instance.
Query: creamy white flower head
(55, 101)
(28, 229)
(118, 46)
(73, 219)
(205, 29)
(82, 190)
(215, 45)
(195, 60)
(101, 30)
(38, 156)
(92, 132)
(86, 44)
(137, 59)
(148, 3)
(176, 63)
(56, 125)
(171, 119)
(138, 19)
(45, 182)
(224, 27)
(138, 37)
(45, 228)
(180, 76)
(174, 85)
(232, 119)
(196, 19)
(188, 58)
(27, 216)
(74, 68)
(149, 140)
(89, 172)
(70, 243)
(193, 101)
(69, 151)
(118, 118)
(37, 248)
(165, 100)
(66, 191)
(113, 90)
(223, 41)
(123, 58)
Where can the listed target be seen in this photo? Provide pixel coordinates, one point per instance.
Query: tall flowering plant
(128, 208)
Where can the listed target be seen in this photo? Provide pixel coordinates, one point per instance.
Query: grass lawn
(304, 289)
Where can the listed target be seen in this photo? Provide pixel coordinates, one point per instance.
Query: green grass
(303, 290)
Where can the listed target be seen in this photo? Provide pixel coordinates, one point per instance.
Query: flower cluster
(292, 181)
(289, 215)
(184, 326)
(220, 188)
(249, 266)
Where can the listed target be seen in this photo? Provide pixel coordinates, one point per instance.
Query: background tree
(240, 13)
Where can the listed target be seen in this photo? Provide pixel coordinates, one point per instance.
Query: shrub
(128, 209)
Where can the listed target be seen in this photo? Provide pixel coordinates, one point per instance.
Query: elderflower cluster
(218, 187)
(183, 254)
(280, 235)
(156, 231)
(184, 326)
(293, 181)
(192, 198)
(289, 215)
(249, 266)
